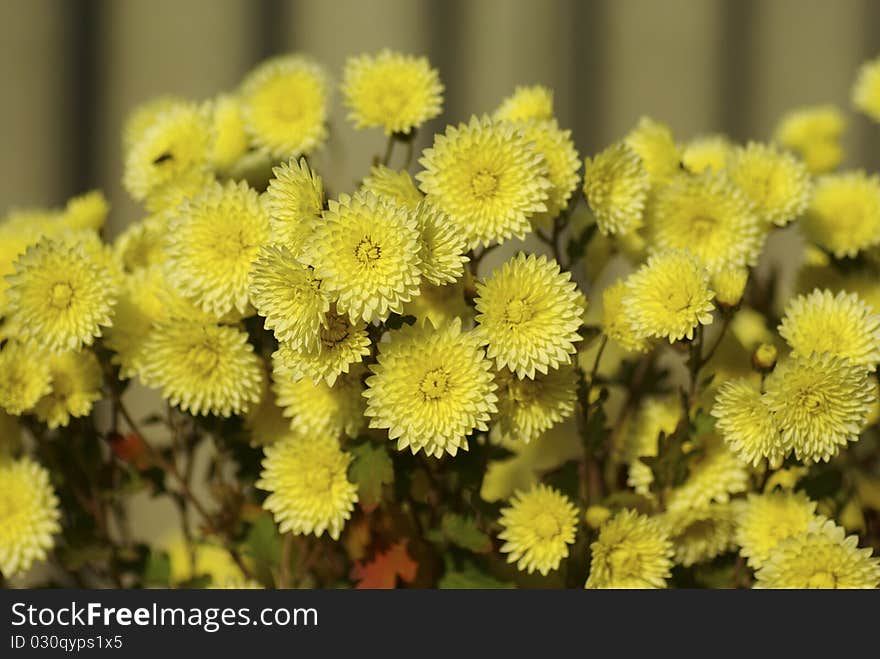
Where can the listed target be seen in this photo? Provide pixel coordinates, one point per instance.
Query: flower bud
(764, 357)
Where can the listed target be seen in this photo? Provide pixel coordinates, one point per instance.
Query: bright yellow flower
(24, 377)
(431, 388)
(86, 211)
(528, 314)
(729, 285)
(866, 90)
(142, 243)
(76, 385)
(844, 214)
(295, 200)
(632, 551)
(701, 534)
(488, 178)
(18, 231)
(747, 424)
(616, 321)
(538, 526)
(319, 409)
(768, 519)
(285, 104)
(396, 185)
(230, 134)
(714, 475)
(563, 165)
(144, 116)
(616, 186)
(526, 103)
(814, 134)
(709, 153)
(393, 91)
(441, 247)
(653, 143)
(529, 407)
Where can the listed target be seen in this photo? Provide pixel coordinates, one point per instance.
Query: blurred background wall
(70, 70)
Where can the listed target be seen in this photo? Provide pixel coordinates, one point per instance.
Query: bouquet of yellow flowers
(665, 377)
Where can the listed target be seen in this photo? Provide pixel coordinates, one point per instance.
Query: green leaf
(157, 571)
(371, 469)
(464, 532)
(471, 578)
(263, 546)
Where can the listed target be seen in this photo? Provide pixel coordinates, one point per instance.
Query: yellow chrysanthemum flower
(767, 519)
(290, 296)
(866, 90)
(844, 214)
(393, 91)
(230, 134)
(24, 377)
(295, 200)
(747, 424)
(713, 476)
(841, 325)
(528, 314)
(396, 185)
(76, 385)
(189, 560)
(656, 415)
(202, 368)
(340, 344)
(615, 319)
(142, 243)
(701, 534)
(668, 297)
(563, 165)
(317, 408)
(653, 143)
(777, 183)
(729, 285)
(18, 231)
(488, 178)
(86, 211)
(709, 153)
(616, 186)
(529, 407)
(431, 388)
(526, 103)
(308, 483)
(632, 551)
(823, 557)
(814, 134)
(366, 253)
(709, 216)
(538, 526)
(176, 144)
(61, 294)
(441, 247)
(821, 402)
(285, 103)
(441, 304)
(29, 515)
(144, 116)
(213, 241)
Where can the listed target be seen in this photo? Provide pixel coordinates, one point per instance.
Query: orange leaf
(383, 570)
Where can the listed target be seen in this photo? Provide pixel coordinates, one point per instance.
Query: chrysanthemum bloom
(176, 144)
(144, 116)
(539, 525)
(290, 296)
(820, 401)
(656, 415)
(488, 178)
(534, 102)
(714, 475)
(529, 407)
(668, 297)
(294, 199)
(632, 551)
(213, 241)
(866, 90)
(202, 368)
(366, 253)
(383, 181)
(709, 216)
(191, 559)
(729, 285)
(528, 314)
(706, 153)
(616, 186)
(701, 534)
(441, 247)
(285, 102)
(319, 409)
(86, 211)
(309, 486)
(814, 134)
(844, 214)
(776, 182)
(142, 243)
(767, 519)
(18, 231)
(230, 135)
(563, 165)
(747, 424)
(24, 376)
(60, 295)
(653, 143)
(29, 515)
(431, 388)
(615, 320)
(340, 344)
(842, 325)
(441, 304)
(393, 91)
(823, 557)
(76, 385)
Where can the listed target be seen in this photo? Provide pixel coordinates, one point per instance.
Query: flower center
(61, 295)
(435, 384)
(336, 331)
(823, 580)
(546, 526)
(624, 562)
(810, 401)
(703, 225)
(203, 359)
(484, 184)
(319, 478)
(367, 251)
(517, 311)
